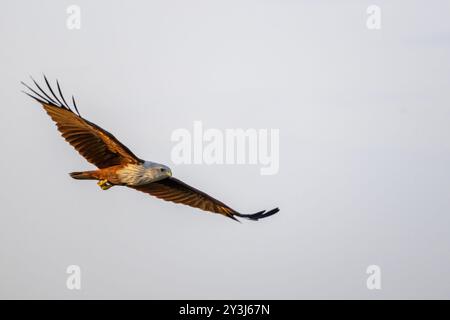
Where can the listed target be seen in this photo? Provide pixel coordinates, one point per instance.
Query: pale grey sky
(364, 149)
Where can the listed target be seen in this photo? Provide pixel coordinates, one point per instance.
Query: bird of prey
(117, 165)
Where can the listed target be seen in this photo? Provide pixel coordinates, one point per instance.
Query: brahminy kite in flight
(117, 165)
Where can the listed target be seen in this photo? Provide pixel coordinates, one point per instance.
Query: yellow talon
(104, 184)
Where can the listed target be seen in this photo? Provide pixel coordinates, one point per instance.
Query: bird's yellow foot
(104, 184)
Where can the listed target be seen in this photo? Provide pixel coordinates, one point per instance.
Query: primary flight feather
(117, 165)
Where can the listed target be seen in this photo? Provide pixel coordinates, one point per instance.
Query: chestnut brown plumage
(117, 165)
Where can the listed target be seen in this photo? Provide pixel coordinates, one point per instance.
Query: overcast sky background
(364, 149)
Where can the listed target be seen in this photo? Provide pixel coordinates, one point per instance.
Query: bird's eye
(162, 169)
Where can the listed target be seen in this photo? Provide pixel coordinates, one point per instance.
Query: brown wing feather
(174, 190)
(97, 145)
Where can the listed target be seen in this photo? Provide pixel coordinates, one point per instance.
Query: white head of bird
(156, 170)
(138, 174)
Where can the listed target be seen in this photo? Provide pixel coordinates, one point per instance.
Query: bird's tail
(83, 175)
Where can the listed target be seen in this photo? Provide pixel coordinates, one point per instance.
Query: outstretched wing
(97, 145)
(171, 189)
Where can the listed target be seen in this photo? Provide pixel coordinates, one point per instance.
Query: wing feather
(174, 190)
(95, 144)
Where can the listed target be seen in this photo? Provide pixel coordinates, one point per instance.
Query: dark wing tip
(35, 98)
(233, 217)
(45, 98)
(258, 215)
